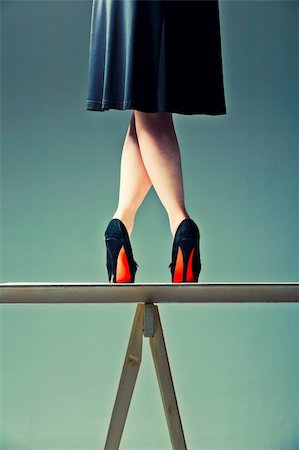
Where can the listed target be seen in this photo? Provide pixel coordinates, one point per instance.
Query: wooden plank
(163, 372)
(148, 292)
(127, 382)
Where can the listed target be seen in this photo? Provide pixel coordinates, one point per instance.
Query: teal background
(235, 367)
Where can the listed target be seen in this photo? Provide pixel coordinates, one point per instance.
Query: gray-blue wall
(235, 367)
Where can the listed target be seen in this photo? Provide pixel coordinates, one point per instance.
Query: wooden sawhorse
(146, 322)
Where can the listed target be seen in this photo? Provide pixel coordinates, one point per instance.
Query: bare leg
(161, 156)
(134, 180)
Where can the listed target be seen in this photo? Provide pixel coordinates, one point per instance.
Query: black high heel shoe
(185, 263)
(120, 263)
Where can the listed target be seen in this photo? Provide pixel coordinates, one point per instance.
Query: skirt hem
(105, 105)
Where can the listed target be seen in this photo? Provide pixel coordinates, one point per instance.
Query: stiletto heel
(121, 266)
(185, 263)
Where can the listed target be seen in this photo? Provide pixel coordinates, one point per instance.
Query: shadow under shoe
(185, 263)
(121, 266)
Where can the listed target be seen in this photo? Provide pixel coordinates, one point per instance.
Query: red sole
(123, 274)
(179, 267)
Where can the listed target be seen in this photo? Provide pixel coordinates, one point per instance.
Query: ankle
(128, 220)
(175, 221)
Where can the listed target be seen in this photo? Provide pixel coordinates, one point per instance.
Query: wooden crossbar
(148, 292)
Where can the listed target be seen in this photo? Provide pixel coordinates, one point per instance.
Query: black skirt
(156, 55)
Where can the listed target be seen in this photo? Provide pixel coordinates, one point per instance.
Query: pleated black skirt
(156, 56)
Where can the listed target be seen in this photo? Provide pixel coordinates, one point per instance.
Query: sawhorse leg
(127, 382)
(147, 322)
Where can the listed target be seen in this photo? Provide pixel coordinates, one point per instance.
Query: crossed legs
(151, 157)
